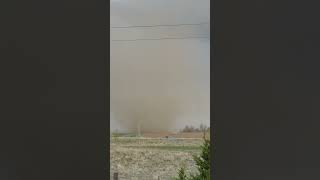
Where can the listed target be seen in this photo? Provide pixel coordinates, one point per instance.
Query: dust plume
(163, 85)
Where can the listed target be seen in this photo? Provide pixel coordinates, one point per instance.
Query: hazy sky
(161, 83)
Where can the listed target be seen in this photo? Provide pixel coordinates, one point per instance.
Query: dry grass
(148, 158)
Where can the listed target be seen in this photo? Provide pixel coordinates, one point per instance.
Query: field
(153, 156)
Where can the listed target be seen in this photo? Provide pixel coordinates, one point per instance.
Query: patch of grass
(172, 148)
(124, 135)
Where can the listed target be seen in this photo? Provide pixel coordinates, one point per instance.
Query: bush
(202, 163)
(181, 174)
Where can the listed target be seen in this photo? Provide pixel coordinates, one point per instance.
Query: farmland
(152, 157)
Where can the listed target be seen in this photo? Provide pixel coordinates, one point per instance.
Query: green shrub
(181, 174)
(202, 162)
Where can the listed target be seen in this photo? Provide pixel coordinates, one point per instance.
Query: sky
(163, 84)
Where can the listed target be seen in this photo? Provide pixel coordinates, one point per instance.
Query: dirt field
(175, 135)
(151, 157)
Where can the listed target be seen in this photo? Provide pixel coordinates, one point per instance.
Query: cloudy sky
(165, 83)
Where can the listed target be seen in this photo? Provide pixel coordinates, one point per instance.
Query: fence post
(115, 176)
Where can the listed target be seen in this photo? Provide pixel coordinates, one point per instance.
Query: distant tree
(203, 127)
(186, 129)
(191, 128)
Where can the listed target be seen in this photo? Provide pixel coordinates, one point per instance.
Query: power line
(158, 25)
(156, 39)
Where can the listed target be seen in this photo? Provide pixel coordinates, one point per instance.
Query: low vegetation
(191, 128)
(202, 164)
(160, 156)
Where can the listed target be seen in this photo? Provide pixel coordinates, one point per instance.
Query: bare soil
(175, 135)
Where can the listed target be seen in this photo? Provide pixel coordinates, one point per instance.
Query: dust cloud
(161, 85)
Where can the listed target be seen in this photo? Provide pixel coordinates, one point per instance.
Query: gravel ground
(148, 158)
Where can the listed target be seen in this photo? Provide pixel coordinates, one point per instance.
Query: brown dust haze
(161, 84)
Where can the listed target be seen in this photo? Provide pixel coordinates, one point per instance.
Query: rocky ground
(150, 158)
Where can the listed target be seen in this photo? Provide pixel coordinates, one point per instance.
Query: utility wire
(158, 25)
(156, 39)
